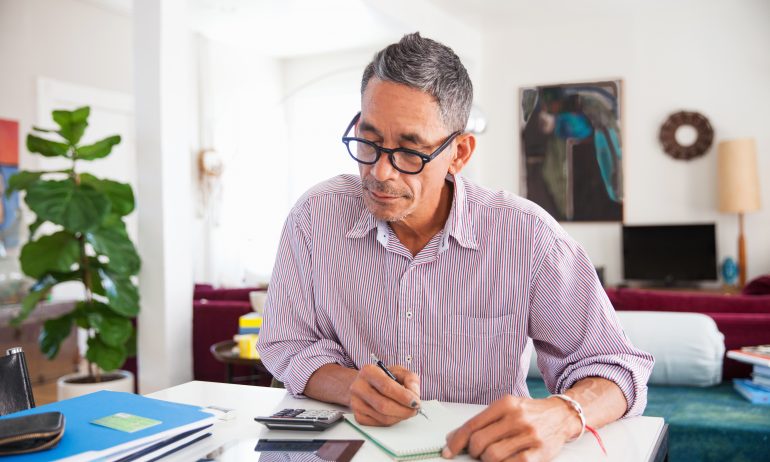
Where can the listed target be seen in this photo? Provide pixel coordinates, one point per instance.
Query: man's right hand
(378, 400)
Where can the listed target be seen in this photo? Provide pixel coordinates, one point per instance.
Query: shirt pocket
(481, 356)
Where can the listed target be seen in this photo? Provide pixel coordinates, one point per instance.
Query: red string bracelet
(579, 409)
(598, 438)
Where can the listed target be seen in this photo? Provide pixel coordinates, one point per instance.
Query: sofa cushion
(214, 321)
(687, 347)
(758, 286)
(743, 319)
(690, 302)
(238, 294)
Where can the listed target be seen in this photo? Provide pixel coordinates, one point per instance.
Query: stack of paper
(115, 426)
(756, 390)
(761, 377)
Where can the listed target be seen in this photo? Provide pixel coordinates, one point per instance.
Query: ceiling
(511, 13)
(285, 28)
(291, 27)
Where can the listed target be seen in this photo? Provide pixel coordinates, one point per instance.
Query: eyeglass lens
(367, 153)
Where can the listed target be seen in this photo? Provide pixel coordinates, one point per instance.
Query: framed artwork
(571, 149)
(10, 219)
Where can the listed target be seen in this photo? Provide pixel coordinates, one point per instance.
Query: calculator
(301, 419)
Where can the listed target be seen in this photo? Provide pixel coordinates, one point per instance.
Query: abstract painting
(10, 219)
(571, 149)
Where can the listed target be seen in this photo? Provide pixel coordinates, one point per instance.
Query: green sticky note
(124, 422)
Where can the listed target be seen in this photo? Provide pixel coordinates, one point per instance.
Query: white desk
(641, 439)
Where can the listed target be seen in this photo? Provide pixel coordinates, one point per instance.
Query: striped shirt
(459, 313)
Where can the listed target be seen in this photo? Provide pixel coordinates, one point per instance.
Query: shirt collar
(459, 224)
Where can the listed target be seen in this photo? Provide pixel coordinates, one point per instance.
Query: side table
(227, 352)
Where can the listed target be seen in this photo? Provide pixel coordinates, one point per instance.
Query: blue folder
(81, 436)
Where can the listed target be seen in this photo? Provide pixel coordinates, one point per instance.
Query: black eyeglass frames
(404, 160)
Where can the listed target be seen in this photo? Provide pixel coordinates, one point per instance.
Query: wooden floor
(44, 393)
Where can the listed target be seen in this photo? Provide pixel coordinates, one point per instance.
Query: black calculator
(301, 419)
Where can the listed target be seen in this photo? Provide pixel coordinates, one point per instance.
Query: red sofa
(743, 319)
(215, 318)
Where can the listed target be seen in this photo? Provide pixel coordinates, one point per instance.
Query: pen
(390, 374)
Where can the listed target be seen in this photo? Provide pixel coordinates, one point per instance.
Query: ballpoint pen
(390, 374)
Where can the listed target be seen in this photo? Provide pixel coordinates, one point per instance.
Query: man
(443, 280)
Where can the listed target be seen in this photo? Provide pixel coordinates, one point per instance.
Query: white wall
(243, 120)
(322, 94)
(704, 55)
(67, 40)
(276, 123)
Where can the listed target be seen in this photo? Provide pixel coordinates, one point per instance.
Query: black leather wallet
(30, 433)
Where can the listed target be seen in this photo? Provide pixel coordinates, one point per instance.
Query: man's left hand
(516, 429)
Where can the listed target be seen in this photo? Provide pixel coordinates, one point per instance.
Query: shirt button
(409, 358)
(408, 315)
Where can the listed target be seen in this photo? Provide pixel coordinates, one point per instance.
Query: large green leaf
(21, 180)
(103, 355)
(79, 208)
(101, 148)
(94, 277)
(54, 332)
(114, 330)
(39, 290)
(72, 123)
(121, 195)
(56, 252)
(112, 241)
(122, 294)
(46, 147)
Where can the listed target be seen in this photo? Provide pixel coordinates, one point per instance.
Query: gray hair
(428, 66)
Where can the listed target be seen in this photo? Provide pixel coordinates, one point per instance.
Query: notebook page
(417, 437)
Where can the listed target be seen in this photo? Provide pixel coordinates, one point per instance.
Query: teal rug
(705, 424)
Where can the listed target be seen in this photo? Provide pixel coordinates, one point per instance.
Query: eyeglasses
(404, 160)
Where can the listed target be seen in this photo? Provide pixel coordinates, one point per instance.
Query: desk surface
(634, 439)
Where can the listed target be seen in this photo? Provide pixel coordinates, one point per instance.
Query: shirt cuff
(634, 389)
(304, 364)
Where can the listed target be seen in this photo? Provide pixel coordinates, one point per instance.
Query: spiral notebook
(418, 437)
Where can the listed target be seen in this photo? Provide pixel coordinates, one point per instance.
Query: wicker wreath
(702, 143)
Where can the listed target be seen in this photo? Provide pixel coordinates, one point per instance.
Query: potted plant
(88, 243)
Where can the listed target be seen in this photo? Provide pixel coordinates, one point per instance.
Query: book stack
(120, 427)
(756, 389)
(248, 332)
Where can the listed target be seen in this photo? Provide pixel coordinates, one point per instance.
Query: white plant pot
(66, 388)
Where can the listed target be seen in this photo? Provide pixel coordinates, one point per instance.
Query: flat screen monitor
(670, 253)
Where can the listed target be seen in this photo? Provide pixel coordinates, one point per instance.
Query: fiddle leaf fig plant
(88, 243)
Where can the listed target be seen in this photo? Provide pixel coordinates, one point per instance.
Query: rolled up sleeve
(290, 344)
(575, 329)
